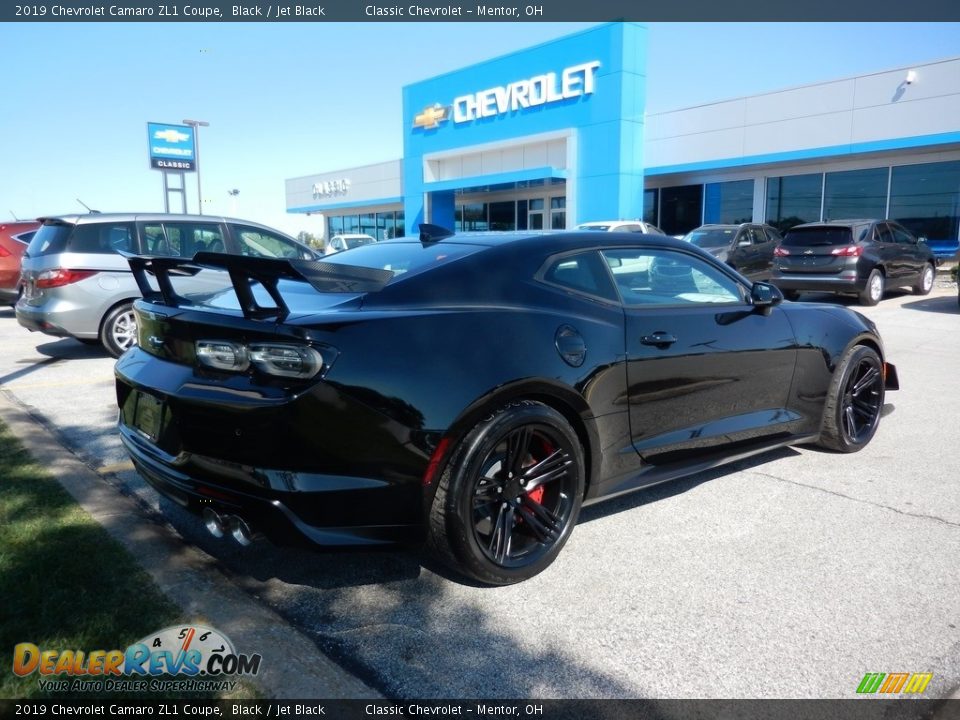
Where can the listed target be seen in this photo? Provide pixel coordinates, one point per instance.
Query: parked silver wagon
(76, 283)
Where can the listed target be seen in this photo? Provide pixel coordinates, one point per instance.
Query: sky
(293, 99)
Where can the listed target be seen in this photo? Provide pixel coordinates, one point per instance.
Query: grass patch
(65, 584)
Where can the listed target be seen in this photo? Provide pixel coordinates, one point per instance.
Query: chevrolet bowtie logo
(431, 116)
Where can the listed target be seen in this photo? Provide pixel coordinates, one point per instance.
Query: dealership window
(522, 214)
(535, 213)
(503, 215)
(399, 228)
(472, 216)
(855, 194)
(793, 199)
(558, 213)
(368, 224)
(681, 208)
(650, 198)
(925, 199)
(728, 202)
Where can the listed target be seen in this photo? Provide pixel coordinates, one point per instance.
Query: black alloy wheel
(855, 403)
(511, 495)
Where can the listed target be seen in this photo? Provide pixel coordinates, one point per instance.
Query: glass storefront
(382, 225)
(855, 194)
(558, 213)
(526, 214)
(793, 199)
(651, 203)
(681, 208)
(728, 202)
(924, 198)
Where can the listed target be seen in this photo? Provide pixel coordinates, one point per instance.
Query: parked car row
(858, 257)
(77, 283)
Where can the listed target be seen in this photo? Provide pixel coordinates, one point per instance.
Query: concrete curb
(293, 666)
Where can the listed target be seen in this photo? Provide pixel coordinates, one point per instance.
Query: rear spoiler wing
(244, 271)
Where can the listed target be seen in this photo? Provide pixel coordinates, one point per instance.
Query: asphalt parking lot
(788, 575)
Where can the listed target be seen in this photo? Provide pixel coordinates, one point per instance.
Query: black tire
(510, 495)
(925, 282)
(873, 291)
(118, 332)
(854, 404)
(791, 295)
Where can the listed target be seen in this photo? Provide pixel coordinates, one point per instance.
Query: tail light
(296, 361)
(223, 355)
(848, 251)
(278, 359)
(780, 252)
(4, 252)
(60, 277)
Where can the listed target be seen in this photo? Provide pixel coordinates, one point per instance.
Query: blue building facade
(480, 127)
(541, 138)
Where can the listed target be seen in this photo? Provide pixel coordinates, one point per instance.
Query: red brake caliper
(537, 493)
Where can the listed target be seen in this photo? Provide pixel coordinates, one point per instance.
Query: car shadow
(639, 498)
(947, 305)
(71, 349)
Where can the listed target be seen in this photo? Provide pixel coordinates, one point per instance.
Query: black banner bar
(479, 11)
(855, 709)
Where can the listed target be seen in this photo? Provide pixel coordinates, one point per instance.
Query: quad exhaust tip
(222, 525)
(214, 522)
(240, 531)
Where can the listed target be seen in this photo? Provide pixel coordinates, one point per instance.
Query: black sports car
(475, 391)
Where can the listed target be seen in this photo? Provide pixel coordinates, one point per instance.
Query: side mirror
(743, 243)
(764, 295)
(922, 239)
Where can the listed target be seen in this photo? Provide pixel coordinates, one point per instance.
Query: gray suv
(860, 257)
(76, 283)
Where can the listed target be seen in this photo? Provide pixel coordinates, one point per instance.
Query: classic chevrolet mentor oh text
(475, 390)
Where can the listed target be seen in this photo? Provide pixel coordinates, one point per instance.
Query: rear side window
(93, 238)
(813, 236)
(101, 239)
(49, 240)
(584, 273)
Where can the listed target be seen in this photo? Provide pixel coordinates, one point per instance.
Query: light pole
(195, 124)
(233, 193)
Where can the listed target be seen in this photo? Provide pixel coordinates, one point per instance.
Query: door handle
(658, 339)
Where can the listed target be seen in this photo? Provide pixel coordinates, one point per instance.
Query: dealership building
(557, 134)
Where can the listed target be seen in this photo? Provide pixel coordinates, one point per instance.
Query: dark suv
(747, 247)
(861, 257)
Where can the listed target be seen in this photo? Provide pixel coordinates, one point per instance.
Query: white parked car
(346, 241)
(634, 226)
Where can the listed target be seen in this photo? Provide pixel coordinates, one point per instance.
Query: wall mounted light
(911, 76)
